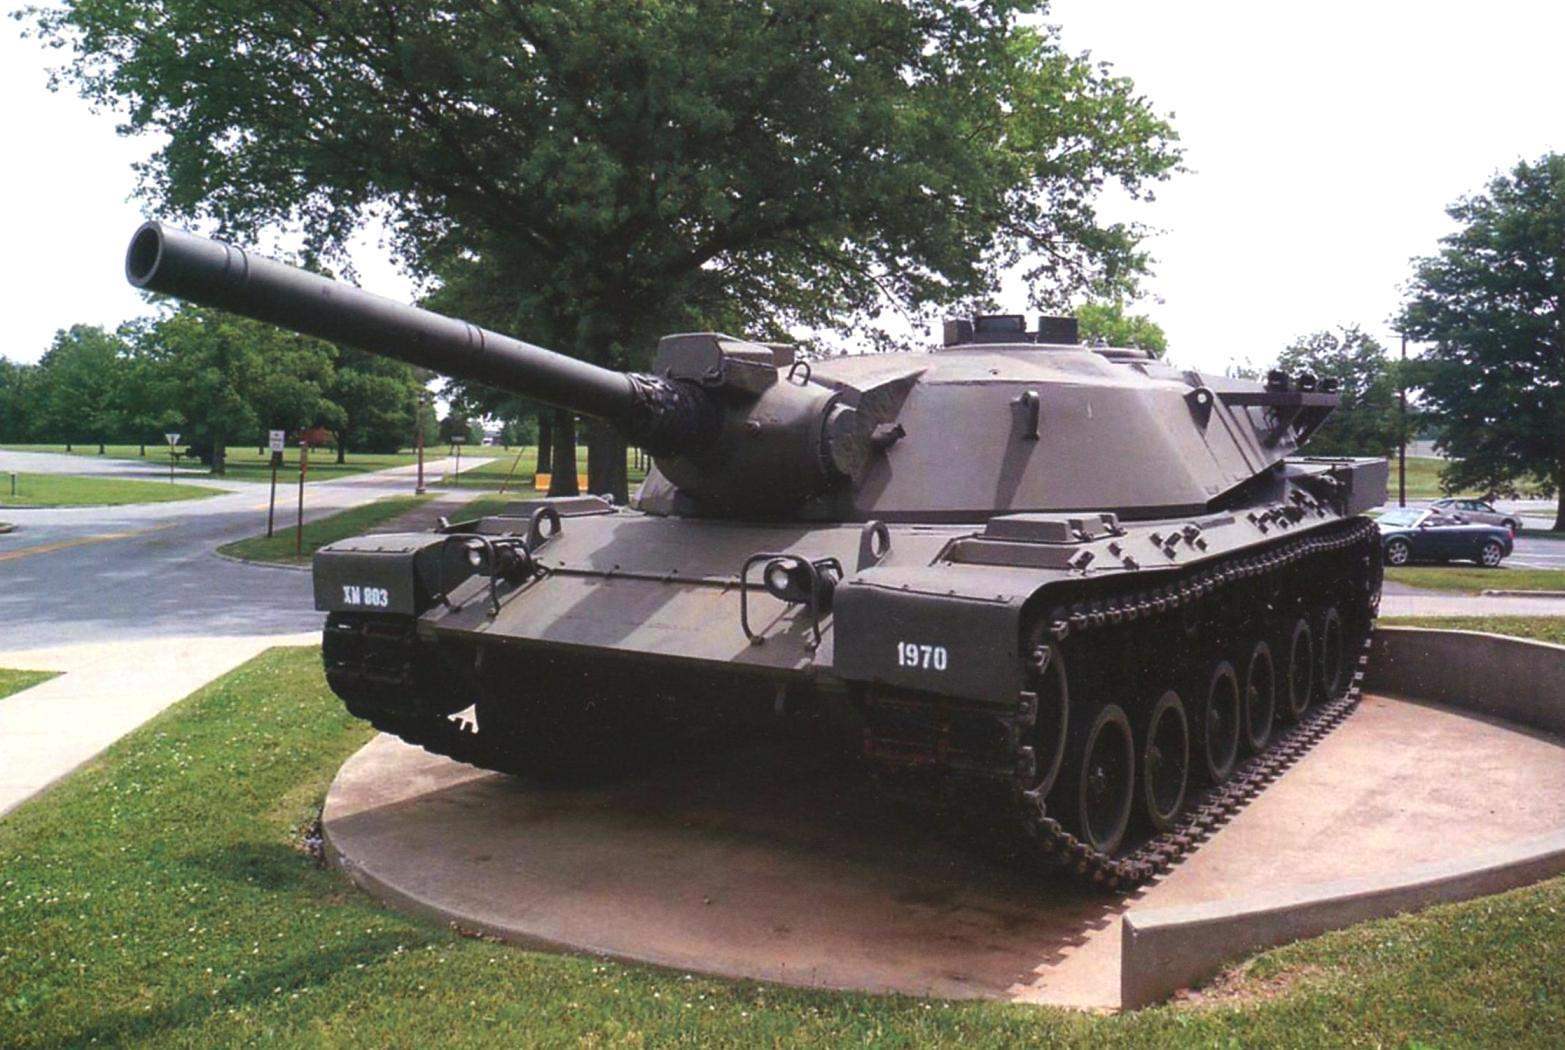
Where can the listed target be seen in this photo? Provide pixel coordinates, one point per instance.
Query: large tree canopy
(1492, 304)
(621, 168)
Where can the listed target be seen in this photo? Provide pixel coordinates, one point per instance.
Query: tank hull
(934, 662)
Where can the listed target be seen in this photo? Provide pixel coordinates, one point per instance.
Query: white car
(1477, 512)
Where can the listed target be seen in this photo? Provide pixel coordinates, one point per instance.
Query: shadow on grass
(270, 868)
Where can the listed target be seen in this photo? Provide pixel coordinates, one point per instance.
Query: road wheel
(1165, 762)
(1220, 722)
(1333, 666)
(1260, 697)
(1097, 787)
(1051, 721)
(1398, 552)
(1492, 555)
(1301, 670)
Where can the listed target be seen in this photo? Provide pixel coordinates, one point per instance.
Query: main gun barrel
(211, 273)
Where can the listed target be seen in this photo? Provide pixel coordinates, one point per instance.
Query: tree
(1491, 304)
(233, 378)
(19, 398)
(377, 398)
(1366, 422)
(1108, 321)
(616, 169)
(82, 382)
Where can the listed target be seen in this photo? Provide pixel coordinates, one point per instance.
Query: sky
(1323, 142)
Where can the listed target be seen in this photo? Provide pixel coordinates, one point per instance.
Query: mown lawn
(159, 897)
(279, 548)
(1537, 628)
(15, 681)
(65, 490)
(245, 463)
(1475, 580)
(495, 472)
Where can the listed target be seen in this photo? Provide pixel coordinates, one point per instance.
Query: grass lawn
(279, 549)
(245, 463)
(15, 681)
(493, 473)
(64, 490)
(159, 897)
(1473, 580)
(1537, 628)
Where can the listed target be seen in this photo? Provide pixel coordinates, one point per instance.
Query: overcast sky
(1323, 140)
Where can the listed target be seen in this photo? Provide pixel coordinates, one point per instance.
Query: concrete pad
(770, 864)
(107, 689)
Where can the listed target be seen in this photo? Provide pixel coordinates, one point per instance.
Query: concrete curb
(1522, 594)
(259, 564)
(1518, 681)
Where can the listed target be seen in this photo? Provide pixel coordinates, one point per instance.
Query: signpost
(172, 437)
(275, 441)
(304, 466)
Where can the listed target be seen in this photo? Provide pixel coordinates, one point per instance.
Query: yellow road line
(81, 541)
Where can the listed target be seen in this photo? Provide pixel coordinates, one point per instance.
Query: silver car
(1476, 511)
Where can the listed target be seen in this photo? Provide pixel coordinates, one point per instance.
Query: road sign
(277, 440)
(172, 438)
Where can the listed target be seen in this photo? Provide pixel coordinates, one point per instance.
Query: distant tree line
(218, 379)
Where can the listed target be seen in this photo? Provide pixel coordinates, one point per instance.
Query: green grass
(1423, 479)
(279, 549)
(246, 464)
(15, 681)
(1537, 628)
(1475, 580)
(65, 490)
(493, 473)
(159, 898)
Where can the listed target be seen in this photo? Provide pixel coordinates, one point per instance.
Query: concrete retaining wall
(1166, 949)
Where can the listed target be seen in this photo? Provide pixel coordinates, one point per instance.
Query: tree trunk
(143, 450)
(342, 449)
(545, 447)
(219, 456)
(606, 450)
(562, 469)
(100, 448)
(1559, 487)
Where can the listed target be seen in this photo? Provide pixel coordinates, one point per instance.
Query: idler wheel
(1097, 790)
(1165, 762)
(1260, 697)
(1220, 723)
(1051, 722)
(1301, 670)
(1333, 667)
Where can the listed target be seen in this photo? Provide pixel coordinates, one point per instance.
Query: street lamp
(1402, 428)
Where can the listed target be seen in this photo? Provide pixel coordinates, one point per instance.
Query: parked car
(1476, 510)
(1427, 535)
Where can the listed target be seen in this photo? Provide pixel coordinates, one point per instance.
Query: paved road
(155, 466)
(109, 574)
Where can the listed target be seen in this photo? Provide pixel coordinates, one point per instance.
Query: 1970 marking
(922, 657)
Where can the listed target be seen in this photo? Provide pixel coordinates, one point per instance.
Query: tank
(1074, 596)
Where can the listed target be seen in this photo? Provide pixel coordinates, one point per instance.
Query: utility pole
(1402, 428)
(418, 429)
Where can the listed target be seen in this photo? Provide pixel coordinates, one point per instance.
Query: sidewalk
(106, 690)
